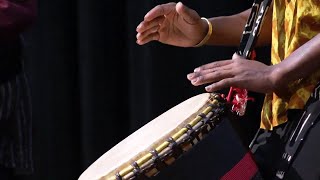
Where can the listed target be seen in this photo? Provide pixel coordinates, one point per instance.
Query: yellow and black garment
(294, 23)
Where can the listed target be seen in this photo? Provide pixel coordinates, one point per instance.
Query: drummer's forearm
(300, 64)
(227, 30)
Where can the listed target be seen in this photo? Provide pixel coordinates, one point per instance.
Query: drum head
(146, 138)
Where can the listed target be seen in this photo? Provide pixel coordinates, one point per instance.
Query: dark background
(92, 85)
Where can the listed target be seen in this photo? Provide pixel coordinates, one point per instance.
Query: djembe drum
(182, 128)
(158, 144)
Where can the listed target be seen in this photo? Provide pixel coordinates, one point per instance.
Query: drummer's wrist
(279, 80)
(207, 33)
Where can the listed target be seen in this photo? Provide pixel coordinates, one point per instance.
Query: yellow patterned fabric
(294, 23)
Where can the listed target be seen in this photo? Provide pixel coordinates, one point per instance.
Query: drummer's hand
(237, 72)
(173, 24)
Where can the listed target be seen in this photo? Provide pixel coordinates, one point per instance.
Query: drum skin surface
(146, 138)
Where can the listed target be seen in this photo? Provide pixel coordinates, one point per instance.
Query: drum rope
(172, 148)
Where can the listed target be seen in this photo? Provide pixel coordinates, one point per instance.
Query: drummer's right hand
(173, 24)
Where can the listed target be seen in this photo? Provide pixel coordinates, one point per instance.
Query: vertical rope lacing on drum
(136, 169)
(118, 176)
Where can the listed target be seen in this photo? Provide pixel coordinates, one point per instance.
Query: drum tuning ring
(118, 176)
(191, 131)
(215, 95)
(215, 102)
(202, 115)
(155, 155)
(172, 142)
(136, 169)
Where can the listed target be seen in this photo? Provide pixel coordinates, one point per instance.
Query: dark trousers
(6, 174)
(267, 148)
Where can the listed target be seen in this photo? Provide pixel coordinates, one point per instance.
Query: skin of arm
(227, 30)
(300, 64)
(178, 25)
(256, 76)
(251, 75)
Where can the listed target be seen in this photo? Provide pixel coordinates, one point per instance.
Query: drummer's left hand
(236, 72)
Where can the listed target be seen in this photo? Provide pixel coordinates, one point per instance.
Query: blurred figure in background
(15, 108)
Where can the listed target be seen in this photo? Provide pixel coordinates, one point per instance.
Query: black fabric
(211, 158)
(6, 173)
(15, 125)
(297, 135)
(92, 85)
(267, 150)
(9, 174)
(257, 176)
(10, 59)
(306, 163)
(297, 138)
(268, 146)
